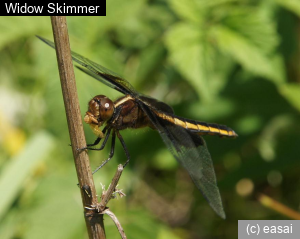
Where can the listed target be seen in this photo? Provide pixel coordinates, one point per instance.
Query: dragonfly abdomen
(198, 127)
(213, 129)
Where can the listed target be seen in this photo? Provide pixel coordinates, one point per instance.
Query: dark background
(228, 62)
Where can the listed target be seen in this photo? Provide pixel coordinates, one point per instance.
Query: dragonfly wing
(99, 78)
(99, 72)
(191, 152)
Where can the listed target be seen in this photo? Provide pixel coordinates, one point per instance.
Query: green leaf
(212, 111)
(8, 224)
(187, 51)
(291, 92)
(198, 60)
(255, 24)
(15, 27)
(149, 58)
(187, 10)
(57, 198)
(15, 173)
(292, 5)
(117, 12)
(248, 55)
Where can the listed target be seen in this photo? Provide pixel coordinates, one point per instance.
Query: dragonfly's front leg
(97, 141)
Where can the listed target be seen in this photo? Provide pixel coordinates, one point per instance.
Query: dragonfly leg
(98, 139)
(124, 147)
(112, 151)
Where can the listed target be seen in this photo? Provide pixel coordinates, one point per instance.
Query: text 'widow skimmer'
(181, 136)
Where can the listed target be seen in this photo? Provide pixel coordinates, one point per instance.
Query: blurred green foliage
(224, 61)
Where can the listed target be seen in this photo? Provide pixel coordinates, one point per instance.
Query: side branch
(111, 189)
(116, 221)
(106, 196)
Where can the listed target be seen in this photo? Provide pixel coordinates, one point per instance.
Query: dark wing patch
(99, 72)
(156, 104)
(191, 152)
(92, 74)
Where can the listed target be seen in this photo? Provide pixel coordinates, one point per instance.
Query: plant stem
(94, 221)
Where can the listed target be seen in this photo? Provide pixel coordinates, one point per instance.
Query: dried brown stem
(278, 207)
(108, 194)
(116, 221)
(94, 221)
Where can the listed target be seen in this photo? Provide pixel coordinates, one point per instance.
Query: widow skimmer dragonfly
(182, 136)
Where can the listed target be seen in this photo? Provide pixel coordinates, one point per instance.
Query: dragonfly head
(100, 109)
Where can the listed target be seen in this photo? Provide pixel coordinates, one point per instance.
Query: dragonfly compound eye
(106, 109)
(100, 109)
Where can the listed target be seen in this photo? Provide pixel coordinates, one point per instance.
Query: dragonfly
(182, 136)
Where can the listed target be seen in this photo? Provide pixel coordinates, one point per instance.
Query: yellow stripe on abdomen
(203, 128)
(224, 132)
(180, 123)
(198, 127)
(214, 130)
(192, 126)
